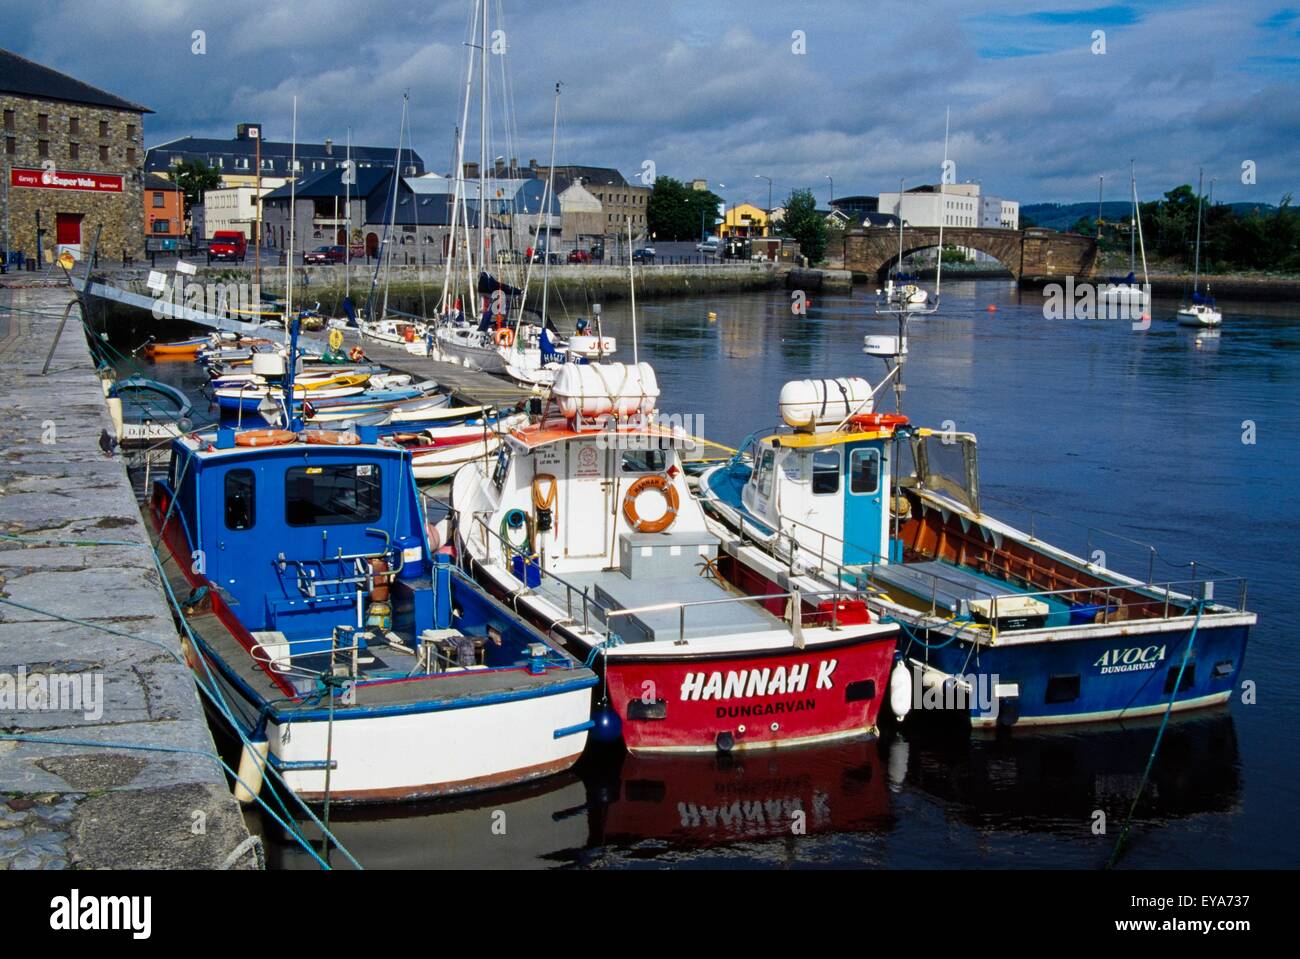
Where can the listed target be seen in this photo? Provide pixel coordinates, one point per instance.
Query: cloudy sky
(799, 90)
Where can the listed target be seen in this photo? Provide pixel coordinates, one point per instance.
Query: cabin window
(1189, 677)
(644, 461)
(239, 499)
(326, 495)
(864, 471)
(826, 472)
(1062, 689)
(765, 472)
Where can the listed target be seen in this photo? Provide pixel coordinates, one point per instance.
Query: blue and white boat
(359, 665)
(996, 622)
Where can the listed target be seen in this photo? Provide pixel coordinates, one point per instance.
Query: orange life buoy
(356, 354)
(665, 488)
(876, 421)
(331, 437)
(408, 333)
(264, 437)
(504, 337)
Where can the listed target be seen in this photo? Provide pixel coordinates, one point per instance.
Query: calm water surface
(1088, 421)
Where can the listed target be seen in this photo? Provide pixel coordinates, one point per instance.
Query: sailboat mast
(547, 200)
(899, 268)
(483, 135)
(631, 277)
(1137, 215)
(397, 181)
(293, 199)
(943, 173)
(1132, 224)
(1196, 270)
(347, 222)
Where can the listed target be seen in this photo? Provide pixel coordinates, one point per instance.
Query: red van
(228, 245)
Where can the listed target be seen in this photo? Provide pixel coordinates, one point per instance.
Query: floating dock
(467, 386)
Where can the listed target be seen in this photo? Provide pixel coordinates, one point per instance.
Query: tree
(804, 224)
(194, 177)
(676, 212)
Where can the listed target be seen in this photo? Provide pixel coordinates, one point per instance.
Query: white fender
(900, 690)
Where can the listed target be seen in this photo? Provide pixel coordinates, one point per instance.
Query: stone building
(73, 162)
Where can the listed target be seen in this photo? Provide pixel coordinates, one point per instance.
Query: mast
(899, 269)
(293, 197)
(1132, 225)
(1137, 215)
(1196, 270)
(483, 135)
(547, 200)
(383, 243)
(631, 277)
(347, 221)
(943, 172)
(397, 186)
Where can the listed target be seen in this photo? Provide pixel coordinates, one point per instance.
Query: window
(74, 151)
(43, 122)
(162, 226)
(157, 198)
(103, 128)
(1189, 677)
(765, 461)
(240, 508)
(9, 121)
(103, 154)
(130, 154)
(324, 495)
(826, 472)
(74, 126)
(644, 461)
(864, 471)
(1062, 689)
(130, 131)
(43, 148)
(11, 146)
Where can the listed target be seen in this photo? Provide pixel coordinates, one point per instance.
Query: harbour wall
(82, 606)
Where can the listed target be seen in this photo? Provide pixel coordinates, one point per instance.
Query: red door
(68, 229)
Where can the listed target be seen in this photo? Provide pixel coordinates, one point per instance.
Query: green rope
(1155, 747)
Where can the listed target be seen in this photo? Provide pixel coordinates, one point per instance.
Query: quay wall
(81, 600)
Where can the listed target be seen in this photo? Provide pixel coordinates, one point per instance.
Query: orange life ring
(264, 437)
(665, 487)
(356, 354)
(408, 333)
(331, 437)
(876, 421)
(504, 337)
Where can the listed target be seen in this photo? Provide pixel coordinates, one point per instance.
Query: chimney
(329, 147)
(499, 167)
(471, 170)
(514, 168)
(532, 167)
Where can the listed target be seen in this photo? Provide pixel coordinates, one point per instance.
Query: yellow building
(743, 220)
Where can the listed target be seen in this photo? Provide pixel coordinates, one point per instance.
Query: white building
(234, 208)
(957, 205)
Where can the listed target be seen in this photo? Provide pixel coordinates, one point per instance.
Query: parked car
(539, 255)
(709, 246)
(579, 256)
(325, 254)
(229, 245)
(644, 255)
(598, 252)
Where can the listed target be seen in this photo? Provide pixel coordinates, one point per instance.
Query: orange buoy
(264, 437)
(991, 308)
(331, 437)
(877, 421)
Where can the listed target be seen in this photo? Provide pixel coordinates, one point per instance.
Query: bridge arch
(1030, 252)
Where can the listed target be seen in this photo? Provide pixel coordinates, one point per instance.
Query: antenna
(631, 277)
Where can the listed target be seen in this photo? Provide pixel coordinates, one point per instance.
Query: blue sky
(721, 90)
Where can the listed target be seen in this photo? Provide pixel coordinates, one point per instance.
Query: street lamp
(767, 221)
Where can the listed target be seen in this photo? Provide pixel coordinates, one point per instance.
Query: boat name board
(1132, 659)
(749, 683)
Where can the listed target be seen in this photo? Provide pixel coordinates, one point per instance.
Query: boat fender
(331, 437)
(608, 726)
(669, 493)
(379, 592)
(900, 689)
(252, 766)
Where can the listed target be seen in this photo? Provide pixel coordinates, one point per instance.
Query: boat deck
(469, 387)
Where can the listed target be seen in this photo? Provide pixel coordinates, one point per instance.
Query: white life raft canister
(807, 404)
(605, 389)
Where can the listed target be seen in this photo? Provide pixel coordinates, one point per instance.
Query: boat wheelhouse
(583, 522)
(996, 621)
(366, 668)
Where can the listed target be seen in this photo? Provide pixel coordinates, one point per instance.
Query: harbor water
(1114, 437)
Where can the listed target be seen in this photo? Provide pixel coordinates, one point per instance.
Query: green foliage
(1253, 240)
(194, 177)
(803, 223)
(676, 212)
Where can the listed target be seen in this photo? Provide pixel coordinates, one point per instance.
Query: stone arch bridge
(1032, 252)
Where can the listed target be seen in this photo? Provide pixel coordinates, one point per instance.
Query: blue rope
(917, 639)
(614, 640)
(1155, 747)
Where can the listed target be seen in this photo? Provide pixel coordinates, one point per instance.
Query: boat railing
(362, 571)
(795, 599)
(586, 605)
(1097, 538)
(1115, 602)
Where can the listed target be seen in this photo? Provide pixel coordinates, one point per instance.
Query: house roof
(329, 183)
(24, 77)
(153, 181)
(158, 156)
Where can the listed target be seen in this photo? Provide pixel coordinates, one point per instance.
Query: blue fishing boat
(354, 662)
(997, 623)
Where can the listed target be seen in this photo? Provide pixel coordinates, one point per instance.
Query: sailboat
(1201, 311)
(1128, 292)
